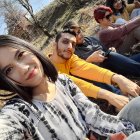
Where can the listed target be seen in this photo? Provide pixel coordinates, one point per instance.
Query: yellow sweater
(126, 14)
(83, 69)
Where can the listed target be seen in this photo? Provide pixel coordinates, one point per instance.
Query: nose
(70, 46)
(22, 68)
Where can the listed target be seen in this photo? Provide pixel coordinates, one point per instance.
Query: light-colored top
(126, 13)
(83, 69)
(69, 116)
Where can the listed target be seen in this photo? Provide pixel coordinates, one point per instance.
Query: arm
(119, 101)
(126, 85)
(112, 34)
(130, 7)
(89, 71)
(91, 90)
(137, 4)
(99, 56)
(94, 117)
(96, 57)
(96, 73)
(87, 88)
(10, 127)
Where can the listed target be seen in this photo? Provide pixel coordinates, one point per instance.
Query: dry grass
(84, 18)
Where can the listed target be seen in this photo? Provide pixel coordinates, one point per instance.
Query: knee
(137, 31)
(134, 136)
(113, 55)
(135, 103)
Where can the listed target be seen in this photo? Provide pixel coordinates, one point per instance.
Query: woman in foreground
(49, 106)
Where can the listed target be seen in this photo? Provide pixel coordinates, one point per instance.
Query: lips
(31, 74)
(69, 52)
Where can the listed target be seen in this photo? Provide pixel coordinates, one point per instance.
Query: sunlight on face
(117, 4)
(21, 66)
(66, 46)
(106, 21)
(79, 35)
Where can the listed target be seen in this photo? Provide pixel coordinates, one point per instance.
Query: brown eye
(73, 44)
(8, 70)
(78, 32)
(65, 41)
(20, 54)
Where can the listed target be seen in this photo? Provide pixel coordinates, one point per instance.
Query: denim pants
(131, 112)
(135, 13)
(108, 87)
(127, 66)
(134, 136)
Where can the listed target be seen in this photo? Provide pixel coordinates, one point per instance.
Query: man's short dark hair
(67, 30)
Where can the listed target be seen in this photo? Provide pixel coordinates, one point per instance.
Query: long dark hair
(7, 84)
(110, 3)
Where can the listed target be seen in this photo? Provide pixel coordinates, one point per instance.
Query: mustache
(65, 50)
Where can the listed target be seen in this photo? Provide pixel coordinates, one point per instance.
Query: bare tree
(66, 2)
(15, 19)
(12, 13)
(28, 7)
(77, 2)
(74, 2)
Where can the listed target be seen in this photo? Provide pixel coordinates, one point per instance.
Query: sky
(36, 4)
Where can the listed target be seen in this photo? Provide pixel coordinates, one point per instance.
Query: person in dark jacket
(91, 50)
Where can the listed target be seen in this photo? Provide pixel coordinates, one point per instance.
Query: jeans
(104, 86)
(127, 66)
(108, 87)
(134, 136)
(135, 13)
(131, 112)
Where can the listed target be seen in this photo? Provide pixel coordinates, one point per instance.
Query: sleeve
(89, 71)
(10, 126)
(130, 7)
(112, 34)
(98, 121)
(87, 88)
(113, 18)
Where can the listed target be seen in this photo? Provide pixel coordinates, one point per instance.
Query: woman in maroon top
(122, 37)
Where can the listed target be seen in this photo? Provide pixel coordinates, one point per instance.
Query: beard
(60, 53)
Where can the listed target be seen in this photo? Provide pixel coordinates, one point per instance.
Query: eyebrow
(68, 39)
(17, 52)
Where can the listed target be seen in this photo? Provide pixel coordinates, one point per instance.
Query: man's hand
(127, 86)
(112, 49)
(96, 57)
(137, 4)
(119, 101)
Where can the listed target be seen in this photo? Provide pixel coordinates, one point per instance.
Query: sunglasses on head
(108, 16)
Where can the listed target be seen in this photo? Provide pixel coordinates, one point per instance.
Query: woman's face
(106, 21)
(21, 66)
(79, 35)
(117, 4)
